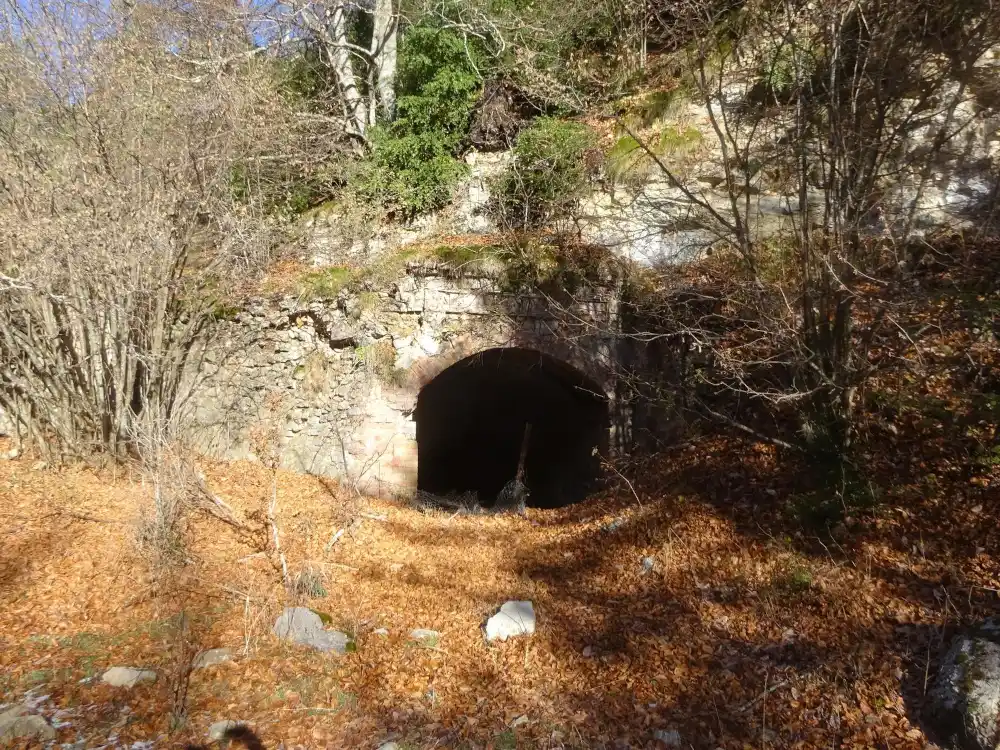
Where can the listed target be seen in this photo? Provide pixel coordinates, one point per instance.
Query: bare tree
(137, 141)
(365, 75)
(838, 112)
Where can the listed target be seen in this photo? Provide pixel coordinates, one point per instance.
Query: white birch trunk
(383, 52)
(340, 58)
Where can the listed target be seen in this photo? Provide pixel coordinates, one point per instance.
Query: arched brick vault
(337, 418)
(590, 364)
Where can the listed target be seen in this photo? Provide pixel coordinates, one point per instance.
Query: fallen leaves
(749, 630)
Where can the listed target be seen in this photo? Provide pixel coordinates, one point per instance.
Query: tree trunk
(340, 59)
(383, 50)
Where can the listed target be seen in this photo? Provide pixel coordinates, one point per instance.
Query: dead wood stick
(333, 540)
(524, 453)
(216, 506)
(762, 696)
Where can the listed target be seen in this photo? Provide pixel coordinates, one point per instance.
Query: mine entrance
(471, 428)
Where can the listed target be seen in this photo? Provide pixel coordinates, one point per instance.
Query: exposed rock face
(649, 217)
(304, 627)
(965, 700)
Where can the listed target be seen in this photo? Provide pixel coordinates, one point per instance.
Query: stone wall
(332, 385)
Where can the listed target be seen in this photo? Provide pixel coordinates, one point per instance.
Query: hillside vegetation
(812, 508)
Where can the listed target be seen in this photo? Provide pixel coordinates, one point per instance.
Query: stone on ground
(218, 730)
(965, 700)
(128, 676)
(514, 618)
(17, 724)
(389, 746)
(669, 737)
(303, 626)
(212, 657)
(423, 635)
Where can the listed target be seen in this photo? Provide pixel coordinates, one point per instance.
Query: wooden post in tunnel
(524, 452)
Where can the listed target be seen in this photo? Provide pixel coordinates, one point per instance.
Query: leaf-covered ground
(732, 594)
(754, 628)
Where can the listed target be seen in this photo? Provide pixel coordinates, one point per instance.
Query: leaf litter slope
(747, 632)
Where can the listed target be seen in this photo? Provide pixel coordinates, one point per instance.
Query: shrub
(411, 173)
(548, 175)
(308, 175)
(413, 167)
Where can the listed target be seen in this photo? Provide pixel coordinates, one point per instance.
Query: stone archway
(471, 417)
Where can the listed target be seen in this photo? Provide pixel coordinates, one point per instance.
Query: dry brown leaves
(739, 636)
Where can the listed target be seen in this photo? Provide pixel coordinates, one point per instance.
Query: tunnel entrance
(471, 425)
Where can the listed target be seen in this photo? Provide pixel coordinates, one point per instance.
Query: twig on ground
(761, 697)
(624, 479)
(333, 540)
(216, 506)
(341, 565)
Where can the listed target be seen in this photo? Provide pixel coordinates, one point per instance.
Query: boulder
(514, 618)
(127, 677)
(303, 626)
(218, 730)
(965, 699)
(212, 657)
(17, 724)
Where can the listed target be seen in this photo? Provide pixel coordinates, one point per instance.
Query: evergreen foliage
(548, 175)
(413, 166)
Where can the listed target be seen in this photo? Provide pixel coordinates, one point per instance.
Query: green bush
(548, 175)
(413, 167)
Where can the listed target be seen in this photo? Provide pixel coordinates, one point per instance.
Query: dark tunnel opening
(471, 422)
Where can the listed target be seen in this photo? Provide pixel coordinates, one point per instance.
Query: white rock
(965, 699)
(389, 746)
(303, 626)
(218, 730)
(422, 634)
(17, 724)
(514, 618)
(669, 737)
(128, 676)
(211, 657)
